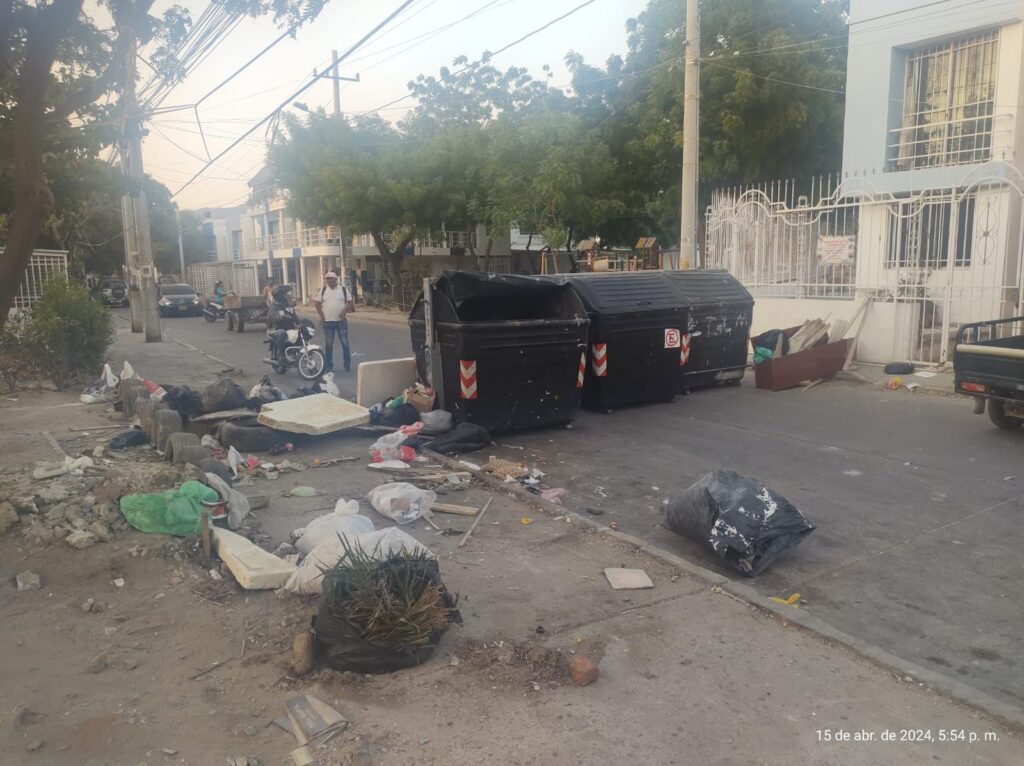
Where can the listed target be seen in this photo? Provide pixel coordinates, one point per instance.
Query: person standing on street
(333, 303)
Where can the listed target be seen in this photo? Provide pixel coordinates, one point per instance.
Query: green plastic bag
(175, 512)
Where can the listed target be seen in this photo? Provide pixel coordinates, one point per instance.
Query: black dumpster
(636, 327)
(512, 349)
(720, 310)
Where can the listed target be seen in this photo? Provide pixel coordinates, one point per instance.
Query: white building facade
(924, 223)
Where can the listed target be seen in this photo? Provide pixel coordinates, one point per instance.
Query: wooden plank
(862, 309)
(465, 537)
(461, 510)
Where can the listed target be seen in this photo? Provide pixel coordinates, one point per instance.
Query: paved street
(918, 503)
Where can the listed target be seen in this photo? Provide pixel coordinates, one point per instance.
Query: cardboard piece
(316, 414)
(313, 721)
(253, 567)
(384, 379)
(627, 579)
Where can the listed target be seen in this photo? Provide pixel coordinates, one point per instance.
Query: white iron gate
(940, 257)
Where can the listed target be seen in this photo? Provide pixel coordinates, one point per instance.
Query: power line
(488, 55)
(775, 79)
(300, 91)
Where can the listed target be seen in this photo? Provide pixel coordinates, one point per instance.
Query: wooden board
(461, 510)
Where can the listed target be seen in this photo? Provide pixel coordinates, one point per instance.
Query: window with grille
(921, 236)
(948, 104)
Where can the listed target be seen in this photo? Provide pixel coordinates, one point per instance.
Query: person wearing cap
(333, 303)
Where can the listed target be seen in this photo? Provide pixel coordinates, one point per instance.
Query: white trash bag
(381, 545)
(401, 502)
(329, 526)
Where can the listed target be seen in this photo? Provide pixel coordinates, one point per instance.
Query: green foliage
(392, 604)
(18, 358)
(70, 333)
(496, 147)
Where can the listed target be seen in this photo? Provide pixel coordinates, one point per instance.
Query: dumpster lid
(709, 287)
(624, 292)
(502, 297)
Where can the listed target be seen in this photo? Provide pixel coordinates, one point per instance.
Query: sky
(173, 150)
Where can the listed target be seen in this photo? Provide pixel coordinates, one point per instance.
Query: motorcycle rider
(282, 318)
(218, 293)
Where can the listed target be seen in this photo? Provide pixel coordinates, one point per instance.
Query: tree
(55, 63)
(360, 175)
(755, 122)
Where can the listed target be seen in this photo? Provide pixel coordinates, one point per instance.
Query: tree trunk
(33, 199)
(392, 263)
(487, 254)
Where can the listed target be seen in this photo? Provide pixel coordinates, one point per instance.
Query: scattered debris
(627, 579)
(81, 539)
(554, 494)
(28, 581)
(506, 469)
(793, 600)
(253, 567)
(316, 414)
(302, 653)
(583, 671)
(401, 502)
(313, 722)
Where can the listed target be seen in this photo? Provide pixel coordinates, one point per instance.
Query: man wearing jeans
(333, 304)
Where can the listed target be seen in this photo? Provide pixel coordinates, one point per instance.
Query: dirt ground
(174, 666)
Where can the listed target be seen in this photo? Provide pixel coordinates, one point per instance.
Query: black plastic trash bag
(743, 521)
(465, 437)
(134, 438)
(339, 644)
(225, 394)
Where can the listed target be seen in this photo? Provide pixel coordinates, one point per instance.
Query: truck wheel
(997, 414)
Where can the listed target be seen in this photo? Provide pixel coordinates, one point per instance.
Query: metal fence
(941, 257)
(42, 267)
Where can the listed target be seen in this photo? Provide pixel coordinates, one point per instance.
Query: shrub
(71, 333)
(18, 359)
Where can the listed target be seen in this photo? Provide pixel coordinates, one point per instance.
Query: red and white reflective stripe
(583, 369)
(600, 360)
(684, 350)
(467, 378)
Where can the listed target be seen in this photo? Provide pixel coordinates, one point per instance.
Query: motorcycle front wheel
(209, 316)
(311, 364)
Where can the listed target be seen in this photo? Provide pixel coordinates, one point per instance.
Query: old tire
(247, 435)
(997, 414)
(179, 441)
(167, 422)
(144, 411)
(194, 455)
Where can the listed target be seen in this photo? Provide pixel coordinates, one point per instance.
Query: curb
(1008, 715)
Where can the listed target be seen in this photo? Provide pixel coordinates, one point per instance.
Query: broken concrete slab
(253, 567)
(381, 380)
(317, 414)
(627, 579)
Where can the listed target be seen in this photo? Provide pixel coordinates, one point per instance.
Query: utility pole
(181, 247)
(691, 137)
(137, 241)
(336, 83)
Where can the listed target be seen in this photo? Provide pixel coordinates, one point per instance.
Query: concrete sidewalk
(688, 674)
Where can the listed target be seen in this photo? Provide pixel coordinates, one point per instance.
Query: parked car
(988, 364)
(113, 292)
(179, 300)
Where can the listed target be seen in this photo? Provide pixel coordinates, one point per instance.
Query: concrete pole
(181, 247)
(131, 251)
(691, 137)
(336, 84)
(131, 158)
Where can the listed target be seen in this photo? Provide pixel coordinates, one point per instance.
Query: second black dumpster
(636, 327)
(715, 342)
(512, 349)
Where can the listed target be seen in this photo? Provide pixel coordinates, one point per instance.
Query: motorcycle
(300, 352)
(214, 311)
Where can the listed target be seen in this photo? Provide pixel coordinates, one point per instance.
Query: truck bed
(989, 359)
